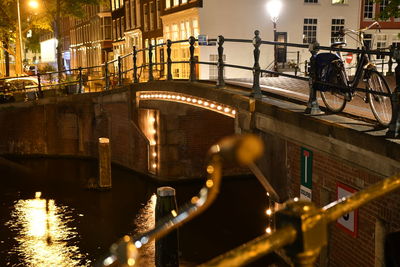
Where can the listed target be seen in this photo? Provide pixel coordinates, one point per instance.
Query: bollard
(166, 247)
(220, 81)
(104, 163)
(312, 105)
(134, 54)
(256, 68)
(169, 60)
(192, 60)
(394, 126)
(151, 77)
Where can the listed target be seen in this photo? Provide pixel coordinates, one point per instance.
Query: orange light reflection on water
(43, 235)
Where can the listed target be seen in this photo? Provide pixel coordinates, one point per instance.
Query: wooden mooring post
(166, 247)
(104, 163)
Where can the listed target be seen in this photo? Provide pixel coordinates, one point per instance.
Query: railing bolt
(256, 68)
(312, 105)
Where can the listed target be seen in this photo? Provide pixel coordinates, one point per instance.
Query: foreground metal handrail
(243, 149)
(302, 228)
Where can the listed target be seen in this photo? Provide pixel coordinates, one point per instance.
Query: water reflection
(43, 235)
(145, 221)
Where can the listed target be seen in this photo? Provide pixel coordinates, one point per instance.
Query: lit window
(310, 30)
(176, 2)
(368, 9)
(183, 1)
(339, 2)
(337, 25)
(167, 4)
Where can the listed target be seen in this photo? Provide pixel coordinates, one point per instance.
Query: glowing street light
(274, 9)
(33, 4)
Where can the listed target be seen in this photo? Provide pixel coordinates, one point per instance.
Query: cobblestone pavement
(299, 90)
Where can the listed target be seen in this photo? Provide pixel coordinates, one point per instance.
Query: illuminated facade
(91, 37)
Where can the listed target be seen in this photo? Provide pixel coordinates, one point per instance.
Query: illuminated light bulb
(200, 102)
(153, 143)
(173, 212)
(296, 199)
(154, 165)
(169, 97)
(152, 119)
(38, 194)
(173, 96)
(164, 96)
(212, 105)
(178, 97)
(127, 238)
(153, 131)
(138, 244)
(194, 200)
(209, 183)
(183, 98)
(267, 194)
(268, 230)
(269, 212)
(227, 109)
(206, 104)
(233, 112)
(194, 100)
(210, 169)
(188, 99)
(141, 96)
(131, 262)
(219, 107)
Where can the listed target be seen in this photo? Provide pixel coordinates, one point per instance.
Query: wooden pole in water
(168, 246)
(104, 163)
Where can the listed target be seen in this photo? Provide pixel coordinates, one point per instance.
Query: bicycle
(330, 69)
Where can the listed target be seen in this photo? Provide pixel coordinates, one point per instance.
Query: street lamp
(33, 4)
(274, 8)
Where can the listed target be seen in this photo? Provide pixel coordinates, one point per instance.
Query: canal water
(48, 217)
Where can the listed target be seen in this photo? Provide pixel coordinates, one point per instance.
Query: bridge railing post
(39, 86)
(119, 71)
(256, 68)
(134, 60)
(394, 126)
(169, 60)
(220, 81)
(390, 62)
(151, 77)
(192, 76)
(107, 81)
(312, 105)
(80, 80)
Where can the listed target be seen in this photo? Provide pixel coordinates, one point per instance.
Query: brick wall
(344, 249)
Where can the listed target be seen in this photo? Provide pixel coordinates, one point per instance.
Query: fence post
(39, 86)
(394, 126)
(107, 81)
(312, 105)
(256, 68)
(220, 81)
(80, 80)
(167, 247)
(119, 71)
(192, 75)
(169, 60)
(134, 54)
(390, 62)
(297, 63)
(151, 77)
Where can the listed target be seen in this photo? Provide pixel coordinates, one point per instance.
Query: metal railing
(120, 71)
(301, 227)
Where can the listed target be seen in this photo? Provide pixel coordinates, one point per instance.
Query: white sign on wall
(347, 222)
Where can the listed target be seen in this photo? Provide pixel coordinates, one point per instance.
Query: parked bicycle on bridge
(330, 69)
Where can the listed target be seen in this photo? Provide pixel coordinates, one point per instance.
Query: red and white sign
(349, 58)
(349, 221)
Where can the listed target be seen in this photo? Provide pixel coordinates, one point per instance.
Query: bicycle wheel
(381, 106)
(333, 97)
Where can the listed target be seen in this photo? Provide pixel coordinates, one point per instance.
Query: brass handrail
(244, 149)
(302, 228)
